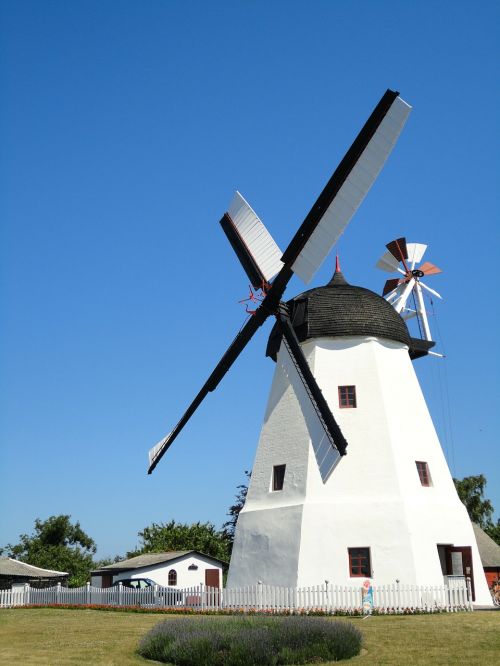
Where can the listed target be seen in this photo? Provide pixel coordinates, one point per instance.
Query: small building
(183, 569)
(14, 573)
(489, 552)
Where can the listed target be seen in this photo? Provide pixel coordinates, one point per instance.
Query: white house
(389, 511)
(184, 568)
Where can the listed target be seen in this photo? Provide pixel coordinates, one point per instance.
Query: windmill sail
(254, 246)
(232, 353)
(327, 439)
(326, 454)
(347, 188)
(260, 257)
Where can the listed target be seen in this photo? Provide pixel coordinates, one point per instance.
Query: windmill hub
(417, 273)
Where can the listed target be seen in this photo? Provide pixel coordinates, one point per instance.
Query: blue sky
(125, 129)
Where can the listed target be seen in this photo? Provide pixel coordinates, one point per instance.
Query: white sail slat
(153, 453)
(327, 456)
(352, 192)
(256, 237)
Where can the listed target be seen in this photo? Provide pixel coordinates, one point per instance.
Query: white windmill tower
(389, 509)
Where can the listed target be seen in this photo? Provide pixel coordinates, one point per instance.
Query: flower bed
(266, 612)
(250, 641)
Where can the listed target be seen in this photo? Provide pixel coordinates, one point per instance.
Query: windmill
(403, 257)
(270, 270)
(390, 510)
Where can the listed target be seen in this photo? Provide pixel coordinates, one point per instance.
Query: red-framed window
(359, 562)
(172, 577)
(423, 472)
(278, 477)
(347, 396)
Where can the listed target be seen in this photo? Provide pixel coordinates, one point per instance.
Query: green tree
(229, 527)
(56, 544)
(471, 489)
(99, 564)
(203, 537)
(493, 530)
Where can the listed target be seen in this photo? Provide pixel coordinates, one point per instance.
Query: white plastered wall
(185, 577)
(267, 540)
(299, 536)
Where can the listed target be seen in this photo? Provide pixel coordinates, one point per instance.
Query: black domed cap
(341, 310)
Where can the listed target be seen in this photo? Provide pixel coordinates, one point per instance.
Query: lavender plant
(250, 641)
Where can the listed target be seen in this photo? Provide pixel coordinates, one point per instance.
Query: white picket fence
(327, 598)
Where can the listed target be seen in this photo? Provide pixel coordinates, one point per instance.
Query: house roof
(488, 549)
(15, 568)
(149, 559)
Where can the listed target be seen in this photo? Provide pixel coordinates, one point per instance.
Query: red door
(106, 580)
(212, 577)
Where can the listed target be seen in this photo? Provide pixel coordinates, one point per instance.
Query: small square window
(359, 562)
(423, 472)
(347, 396)
(278, 477)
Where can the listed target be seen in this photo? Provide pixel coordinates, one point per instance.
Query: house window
(359, 562)
(423, 472)
(347, 396)
(278, 477)
(172, 577)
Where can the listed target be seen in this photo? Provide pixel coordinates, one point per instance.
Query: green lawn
(53, 637)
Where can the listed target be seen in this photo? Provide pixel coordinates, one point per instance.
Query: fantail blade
(398, 249)
(390, 285)
(388, 263)
(429, 269)
(431, 291)
(415, 252)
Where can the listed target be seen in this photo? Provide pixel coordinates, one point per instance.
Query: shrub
(250, 641)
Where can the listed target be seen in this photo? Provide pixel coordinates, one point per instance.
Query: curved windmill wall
(300, 535)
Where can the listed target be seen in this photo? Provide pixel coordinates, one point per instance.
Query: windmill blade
(347, 187)
(232, 353)
(415, 252)
(327, 456)
(388, 263)
(400, 303)
(431, 291)
(327, 439)
(398, 250)
(254, 246)
(390, 285)
(395, 295)
(429, 269)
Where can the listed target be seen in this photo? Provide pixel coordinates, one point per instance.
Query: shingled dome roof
(341, 310)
